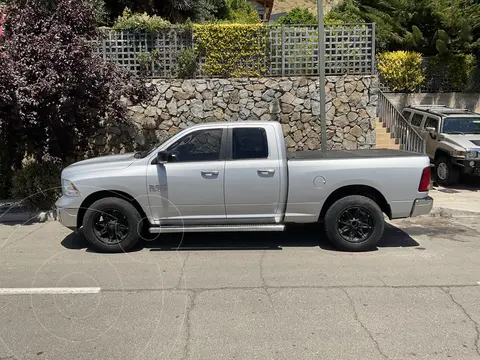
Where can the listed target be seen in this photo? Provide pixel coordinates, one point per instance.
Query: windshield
(142, 154)
(464, 125)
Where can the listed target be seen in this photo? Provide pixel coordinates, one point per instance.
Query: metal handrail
(400, 128)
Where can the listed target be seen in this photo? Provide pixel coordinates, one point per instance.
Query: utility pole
(321, 72)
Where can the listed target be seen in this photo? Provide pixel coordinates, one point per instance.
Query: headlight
(459, 154)
(472, 154)
(69, 189)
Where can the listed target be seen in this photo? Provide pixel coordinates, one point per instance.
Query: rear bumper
(422, 206)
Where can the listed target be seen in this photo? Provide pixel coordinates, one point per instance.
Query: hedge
(401, 70)
(231, 49)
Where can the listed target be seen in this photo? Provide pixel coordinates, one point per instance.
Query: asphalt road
(243, 296)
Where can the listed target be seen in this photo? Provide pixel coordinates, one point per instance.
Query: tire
(119, 225)
(445, 172)
(350, 216)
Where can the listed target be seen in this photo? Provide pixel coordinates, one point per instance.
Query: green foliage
(38, 184)
(298, 16)
(345, 12)
(140, 22)
(426, 26)
(454, 72)
(240, 12)
(401, 70)
(146, 60)
(231, 50)
(199, 11)
(100, 11)
(187, 64)
(5, 170)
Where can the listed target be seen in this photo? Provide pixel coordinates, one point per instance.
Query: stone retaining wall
(350, 103)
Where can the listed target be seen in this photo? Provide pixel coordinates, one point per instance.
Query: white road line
(49, 291)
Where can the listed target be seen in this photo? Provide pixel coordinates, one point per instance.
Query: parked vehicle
(452, 137)
(238, 176)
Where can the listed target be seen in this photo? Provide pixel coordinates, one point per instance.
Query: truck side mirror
(164, 157)
(432, 131)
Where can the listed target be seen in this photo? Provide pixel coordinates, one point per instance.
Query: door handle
(266, 171)
(212, 173)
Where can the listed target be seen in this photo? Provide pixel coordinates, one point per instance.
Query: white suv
(452, 137)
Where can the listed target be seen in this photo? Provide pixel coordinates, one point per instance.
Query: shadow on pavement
(466, 183)
(294, 236)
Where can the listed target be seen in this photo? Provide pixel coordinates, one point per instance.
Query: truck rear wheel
(110, 225)
(446, 173)
(354, 223)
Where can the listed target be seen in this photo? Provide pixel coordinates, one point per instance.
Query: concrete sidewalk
(461, 198)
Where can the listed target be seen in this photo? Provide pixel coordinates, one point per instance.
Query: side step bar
(214, 228)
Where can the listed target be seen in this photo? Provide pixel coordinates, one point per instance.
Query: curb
(27, 217)
(12, 212)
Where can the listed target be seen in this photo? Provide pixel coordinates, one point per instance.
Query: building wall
(459, 100)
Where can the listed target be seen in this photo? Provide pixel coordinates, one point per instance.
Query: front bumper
(470, 167)
(422, 206)
(66, 213)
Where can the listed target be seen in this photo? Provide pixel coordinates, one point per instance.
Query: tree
(57, 92)
(298, 16)
(241, 12)
(173, 10)
(427, 26)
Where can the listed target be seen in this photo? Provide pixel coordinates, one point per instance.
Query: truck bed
(348, 154)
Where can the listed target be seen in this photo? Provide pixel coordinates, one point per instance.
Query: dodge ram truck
(238, 176)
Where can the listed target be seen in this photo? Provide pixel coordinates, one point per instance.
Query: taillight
(425, 180)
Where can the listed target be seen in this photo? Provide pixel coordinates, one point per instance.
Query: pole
(321, 68)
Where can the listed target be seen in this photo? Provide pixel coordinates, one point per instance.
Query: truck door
(431, 139)
(189, 189)
(252, 175)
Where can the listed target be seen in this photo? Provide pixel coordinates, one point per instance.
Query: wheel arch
(90, 199)
(441, 152)
(363, 190)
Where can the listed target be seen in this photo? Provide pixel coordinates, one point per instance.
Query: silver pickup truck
(238, 176)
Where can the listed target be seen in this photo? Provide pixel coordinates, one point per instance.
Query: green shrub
(5, 171)
(241, 12)
(146, 60)
(140, 22)
(401, 70)
(451, 72)
(37, 184)
(298, 16)
(231, 50)
(187, 64)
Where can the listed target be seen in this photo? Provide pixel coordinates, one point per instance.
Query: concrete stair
(384, 138)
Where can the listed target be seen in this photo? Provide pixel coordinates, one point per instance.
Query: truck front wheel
(110, 225)
(354, 223)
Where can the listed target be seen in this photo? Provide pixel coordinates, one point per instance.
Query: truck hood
(101, 163)
(467, 141)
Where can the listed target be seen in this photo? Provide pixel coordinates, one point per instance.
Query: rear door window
(417, 119)
(249, 143)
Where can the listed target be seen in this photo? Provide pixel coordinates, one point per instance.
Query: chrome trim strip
(215, 228)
